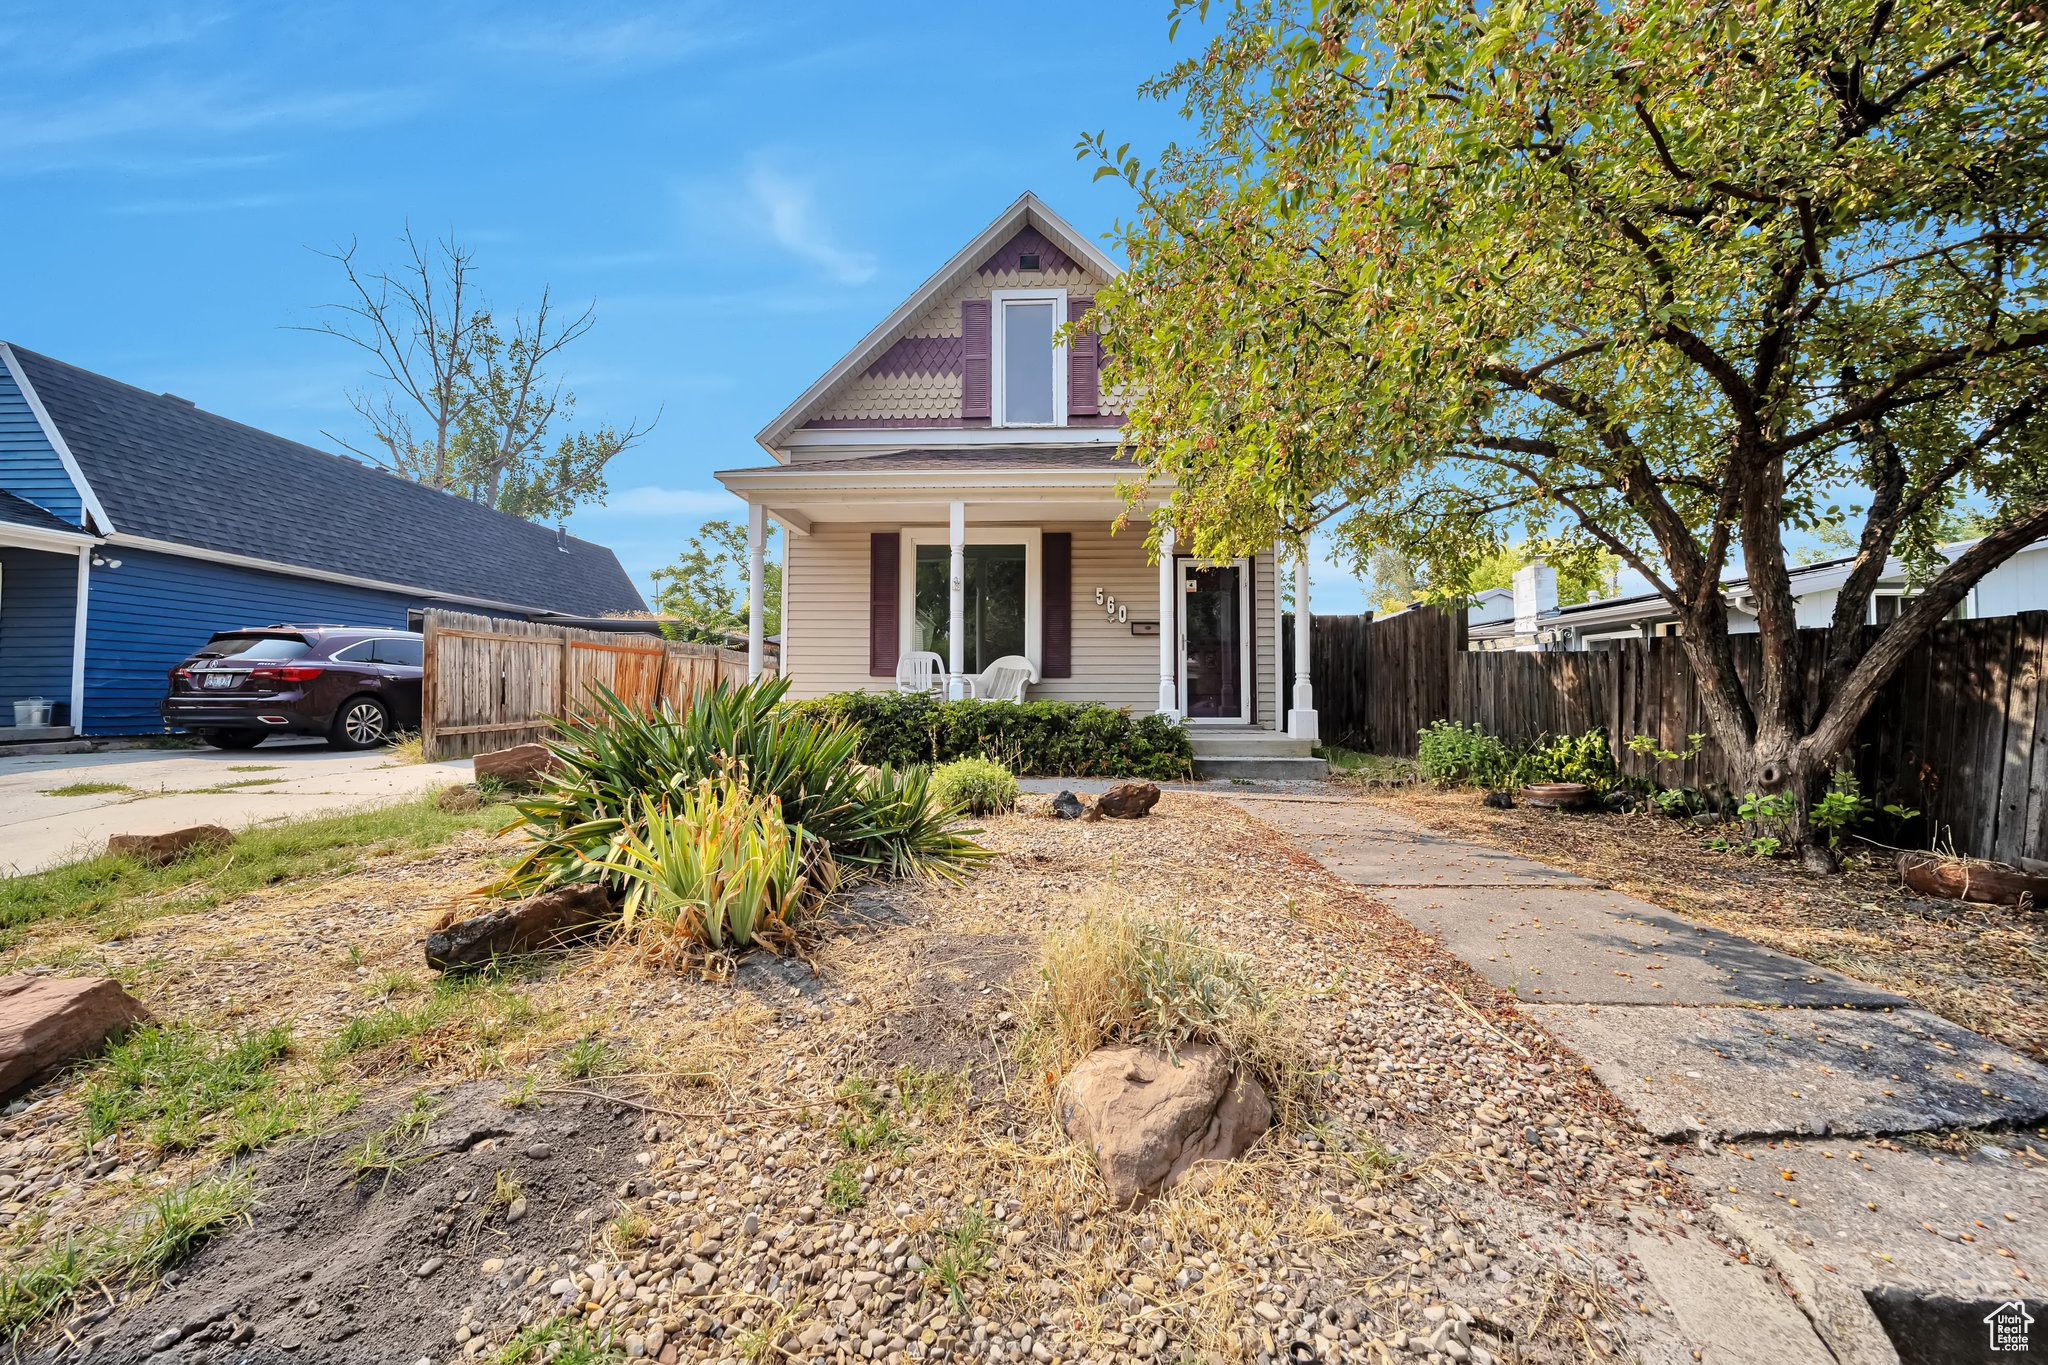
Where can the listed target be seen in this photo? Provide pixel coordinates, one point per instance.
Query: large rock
(522, 765)
(1149, 1118)
(168, 848)
(1067, 806)
(46, 1022)
(542, 921)
(1128, 800)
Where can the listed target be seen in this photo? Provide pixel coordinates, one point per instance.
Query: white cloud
(786, 210)
(651, 500)
(236, 203)
(167, 111)
(68, 41)
(634, 41)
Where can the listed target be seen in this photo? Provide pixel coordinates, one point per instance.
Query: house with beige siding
(951, 494)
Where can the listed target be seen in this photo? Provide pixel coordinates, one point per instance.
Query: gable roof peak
(1026, 210)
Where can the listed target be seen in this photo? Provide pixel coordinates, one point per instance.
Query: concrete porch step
(1247, 744)
(1279, 768)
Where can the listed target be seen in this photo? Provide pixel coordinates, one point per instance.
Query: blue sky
(742, 191)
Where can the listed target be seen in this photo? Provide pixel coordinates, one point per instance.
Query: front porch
(44, 566)
(966, 557)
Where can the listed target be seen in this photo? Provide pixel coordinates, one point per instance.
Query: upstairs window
(1030, 367)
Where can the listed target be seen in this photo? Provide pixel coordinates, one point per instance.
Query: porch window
(1030, 369)
(995, 608)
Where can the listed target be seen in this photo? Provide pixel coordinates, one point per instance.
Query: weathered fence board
(490, 684)
(1959, 733)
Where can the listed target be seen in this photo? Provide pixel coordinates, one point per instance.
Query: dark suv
(354, 684)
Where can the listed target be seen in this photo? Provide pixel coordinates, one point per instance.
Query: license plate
(222, 680)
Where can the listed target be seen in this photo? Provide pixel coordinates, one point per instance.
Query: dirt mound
(386, 1265)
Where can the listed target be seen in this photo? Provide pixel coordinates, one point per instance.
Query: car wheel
(360, 723)
(233, 739)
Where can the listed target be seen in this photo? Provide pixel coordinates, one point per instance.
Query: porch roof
(24, 523)
(1005, 485)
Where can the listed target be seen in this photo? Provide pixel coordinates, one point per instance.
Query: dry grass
(1119, 978)
(1984, 967)
(926, 995)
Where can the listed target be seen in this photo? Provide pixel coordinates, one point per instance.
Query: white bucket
(35, 712)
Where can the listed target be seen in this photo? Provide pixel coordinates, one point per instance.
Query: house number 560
(1112, 610)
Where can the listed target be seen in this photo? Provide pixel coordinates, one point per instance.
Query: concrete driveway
(150, 791)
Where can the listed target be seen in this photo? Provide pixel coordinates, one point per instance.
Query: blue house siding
(37, 594)
(145, 616)
(29, 467)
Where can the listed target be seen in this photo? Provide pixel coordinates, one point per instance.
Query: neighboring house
(1537, 622)
(133, 525)
(951, 487)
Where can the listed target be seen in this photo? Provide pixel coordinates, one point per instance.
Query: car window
(358, 653)
(256, 648)
(406, 653)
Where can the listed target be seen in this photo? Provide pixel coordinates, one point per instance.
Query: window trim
(998, 395)
(1033, 540)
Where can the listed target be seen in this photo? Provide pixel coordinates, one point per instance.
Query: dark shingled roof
(167, 470)
(1101, 455)
(19, 512)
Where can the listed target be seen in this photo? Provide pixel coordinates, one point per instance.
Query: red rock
(1149, 1118)
(542, 921)
(168, 848)
(1127, 800)
(46, 1022)
(522, 765)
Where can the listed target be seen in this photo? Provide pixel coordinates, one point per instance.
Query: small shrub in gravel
(978, 786)
(1116, 978)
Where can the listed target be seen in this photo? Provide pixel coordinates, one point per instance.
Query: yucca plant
(720, 868)
(616, 763)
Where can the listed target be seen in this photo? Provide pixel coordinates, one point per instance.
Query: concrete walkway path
(1695, 1029)
(150, 791)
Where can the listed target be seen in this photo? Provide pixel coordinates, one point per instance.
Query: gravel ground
(1464, 1190)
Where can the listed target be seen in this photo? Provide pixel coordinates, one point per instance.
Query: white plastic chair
(1003, 680)
(920, 671)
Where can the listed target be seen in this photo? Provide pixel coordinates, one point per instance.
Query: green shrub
(1040, 738)
(1583, 758)
(617, 765)
(720, 869)
(1447, 751)
(979, 786)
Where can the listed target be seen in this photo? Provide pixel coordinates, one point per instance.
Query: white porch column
(956, 633)
(1279, 717)
(80, 620)
(1169, 628)
(1301, 716)
(757, 588)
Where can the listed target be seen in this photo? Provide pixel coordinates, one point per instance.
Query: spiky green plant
(617, 763)
(720, 869)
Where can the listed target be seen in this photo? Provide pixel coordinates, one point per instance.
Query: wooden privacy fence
(490, 684)
(1959, 733)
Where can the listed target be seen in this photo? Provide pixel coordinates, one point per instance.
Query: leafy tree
(467, 404)
(706, 588)
(1653, 276)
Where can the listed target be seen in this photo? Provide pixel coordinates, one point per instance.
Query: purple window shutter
(1056, 642)
(885, 622)
(1083, 386)
(974, 381)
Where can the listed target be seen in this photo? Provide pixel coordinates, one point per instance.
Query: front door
(1215, 640)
